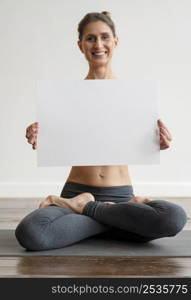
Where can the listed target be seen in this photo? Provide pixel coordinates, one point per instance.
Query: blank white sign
(97, 122)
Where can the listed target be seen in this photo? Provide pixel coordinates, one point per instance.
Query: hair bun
(106, 13)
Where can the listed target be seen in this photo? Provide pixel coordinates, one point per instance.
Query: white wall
(38, 41)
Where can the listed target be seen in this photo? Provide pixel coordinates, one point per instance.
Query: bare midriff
(100, 175)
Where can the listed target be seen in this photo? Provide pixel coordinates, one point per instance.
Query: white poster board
(97, 122)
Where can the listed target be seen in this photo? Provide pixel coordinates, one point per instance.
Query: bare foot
(139, 200)
(76, 203)
(53, 200)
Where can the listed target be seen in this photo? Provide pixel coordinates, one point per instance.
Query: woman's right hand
(31, 134)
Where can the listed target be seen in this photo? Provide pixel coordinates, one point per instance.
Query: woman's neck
(100, 73)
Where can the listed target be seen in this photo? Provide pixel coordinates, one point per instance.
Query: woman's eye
(105, 37)
(90, 38)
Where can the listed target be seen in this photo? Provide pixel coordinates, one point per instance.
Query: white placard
(97, 122)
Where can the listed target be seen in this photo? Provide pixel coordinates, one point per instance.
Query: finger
(28, 133)
(34, 146)
(166, 133)
(161, 125)
(32, 140)
(34, 130)
(159, 122)
(164, 142)
(165, 130)
(31, 132)
(32, 136)
(28, 128)
(164, 138)
(35, 125)
(163, 147)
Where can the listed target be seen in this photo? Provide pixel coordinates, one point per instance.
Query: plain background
(38, 40)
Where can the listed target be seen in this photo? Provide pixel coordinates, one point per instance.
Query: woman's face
(98, 43)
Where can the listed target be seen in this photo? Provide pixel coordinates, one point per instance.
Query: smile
(99, 53)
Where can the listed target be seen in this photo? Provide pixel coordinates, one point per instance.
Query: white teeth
(100, 53)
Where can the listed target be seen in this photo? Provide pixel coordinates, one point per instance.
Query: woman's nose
(98, 43)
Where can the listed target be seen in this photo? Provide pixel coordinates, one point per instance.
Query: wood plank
(96, 267)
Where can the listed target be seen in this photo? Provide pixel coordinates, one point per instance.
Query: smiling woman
(97, 199)
(97, 41)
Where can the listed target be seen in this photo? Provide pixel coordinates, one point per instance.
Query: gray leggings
(56, 227)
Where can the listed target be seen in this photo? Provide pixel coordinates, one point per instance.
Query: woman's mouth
(99, 54)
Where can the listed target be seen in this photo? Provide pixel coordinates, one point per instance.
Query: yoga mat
(177, 246)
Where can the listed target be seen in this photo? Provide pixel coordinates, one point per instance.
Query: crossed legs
(60, 222)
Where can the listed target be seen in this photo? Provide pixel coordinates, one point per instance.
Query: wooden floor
(12, 210)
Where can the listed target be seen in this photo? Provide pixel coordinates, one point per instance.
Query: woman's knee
(30, 232)
(178, 219)
(172, 218)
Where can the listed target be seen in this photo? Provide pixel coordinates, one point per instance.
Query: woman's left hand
(165, 136)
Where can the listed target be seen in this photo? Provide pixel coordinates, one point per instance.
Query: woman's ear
(80, 46)
(116, 41)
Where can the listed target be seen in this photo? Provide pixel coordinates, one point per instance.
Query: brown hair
(104, 16)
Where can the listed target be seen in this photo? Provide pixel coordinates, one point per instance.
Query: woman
(98, 199)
